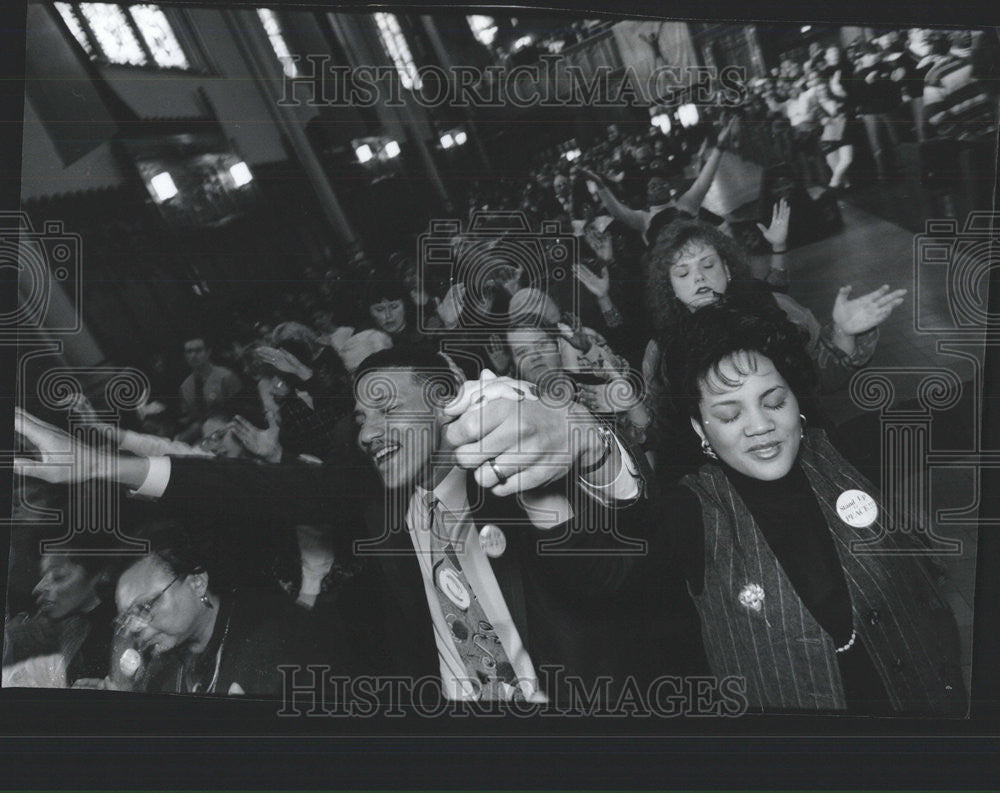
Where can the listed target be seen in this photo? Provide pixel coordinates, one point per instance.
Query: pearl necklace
(850, 644)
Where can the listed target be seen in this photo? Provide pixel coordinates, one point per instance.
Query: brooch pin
(752, 596)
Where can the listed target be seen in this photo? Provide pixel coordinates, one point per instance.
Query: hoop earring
(802, 430)
(707, 449)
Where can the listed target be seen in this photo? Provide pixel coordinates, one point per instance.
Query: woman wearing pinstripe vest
(774, 544)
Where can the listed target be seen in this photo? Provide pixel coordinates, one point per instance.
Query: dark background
(63, 738)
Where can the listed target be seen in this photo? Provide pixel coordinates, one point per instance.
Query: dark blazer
(590, 599)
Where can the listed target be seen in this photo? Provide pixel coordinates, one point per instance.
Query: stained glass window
(114, 34)
(66, 12)
(159, 36)
(138, 35)
(273, 29)
(396, 47)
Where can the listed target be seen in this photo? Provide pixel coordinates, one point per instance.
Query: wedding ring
(501, 479)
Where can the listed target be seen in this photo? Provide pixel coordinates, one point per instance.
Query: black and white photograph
(468, 365)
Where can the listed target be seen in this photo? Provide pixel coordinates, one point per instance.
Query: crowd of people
(932, 87)
(373, 489)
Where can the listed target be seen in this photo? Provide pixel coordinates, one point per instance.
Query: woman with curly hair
(692, 265)
(771, 533)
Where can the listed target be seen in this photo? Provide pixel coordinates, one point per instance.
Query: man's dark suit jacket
(580, 606)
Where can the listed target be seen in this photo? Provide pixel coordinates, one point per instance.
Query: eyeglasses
(547, 344)
(215, 438)
(144, 611)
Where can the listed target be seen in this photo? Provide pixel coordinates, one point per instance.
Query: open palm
(866, 312)
(777, 232)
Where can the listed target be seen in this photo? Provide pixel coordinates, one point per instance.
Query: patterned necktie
(488, 669)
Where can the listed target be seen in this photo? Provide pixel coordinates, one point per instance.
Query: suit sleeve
(277, 494)
(600, 550)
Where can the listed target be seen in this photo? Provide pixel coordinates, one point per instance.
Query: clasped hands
(514, 441)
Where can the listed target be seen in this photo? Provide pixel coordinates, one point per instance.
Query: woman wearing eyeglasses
(181, 631)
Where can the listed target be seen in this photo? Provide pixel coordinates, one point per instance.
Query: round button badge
(856, 508)
(492, 540)
(451, 585)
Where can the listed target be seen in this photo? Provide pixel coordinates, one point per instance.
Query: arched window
(396, 47)
(139, 35)
(273, 29)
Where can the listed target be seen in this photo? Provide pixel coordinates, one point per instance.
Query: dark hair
(715, 333)
(197, 336)
(667, 313)
(184, 551)
(88, 550)
(428, 366)
(384, 288)
(219, 414)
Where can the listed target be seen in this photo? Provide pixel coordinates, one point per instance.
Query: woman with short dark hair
(772, 530)
(74, 614)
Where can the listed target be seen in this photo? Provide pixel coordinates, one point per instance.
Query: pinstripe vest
(784, 655)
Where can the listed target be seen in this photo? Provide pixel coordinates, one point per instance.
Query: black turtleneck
(788, 514)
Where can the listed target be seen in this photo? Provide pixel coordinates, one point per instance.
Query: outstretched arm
(692, 200)
(243, 490)
(633, 218)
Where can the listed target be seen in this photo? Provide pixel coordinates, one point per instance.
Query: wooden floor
(868, 252)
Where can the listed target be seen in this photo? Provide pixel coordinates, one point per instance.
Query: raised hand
(777, 232)
(725, 134)
(86, 413)
(62, 458)
(600, 243)
(592, 176)
(260, 443)
(511, 279)
(852, 317)
(529, 442)
(571, 330)
(450, 308)
(499, 356)
(597, 285)
(488, 386)
(283, 361)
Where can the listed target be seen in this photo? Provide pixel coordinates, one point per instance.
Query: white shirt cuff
(156, 481)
